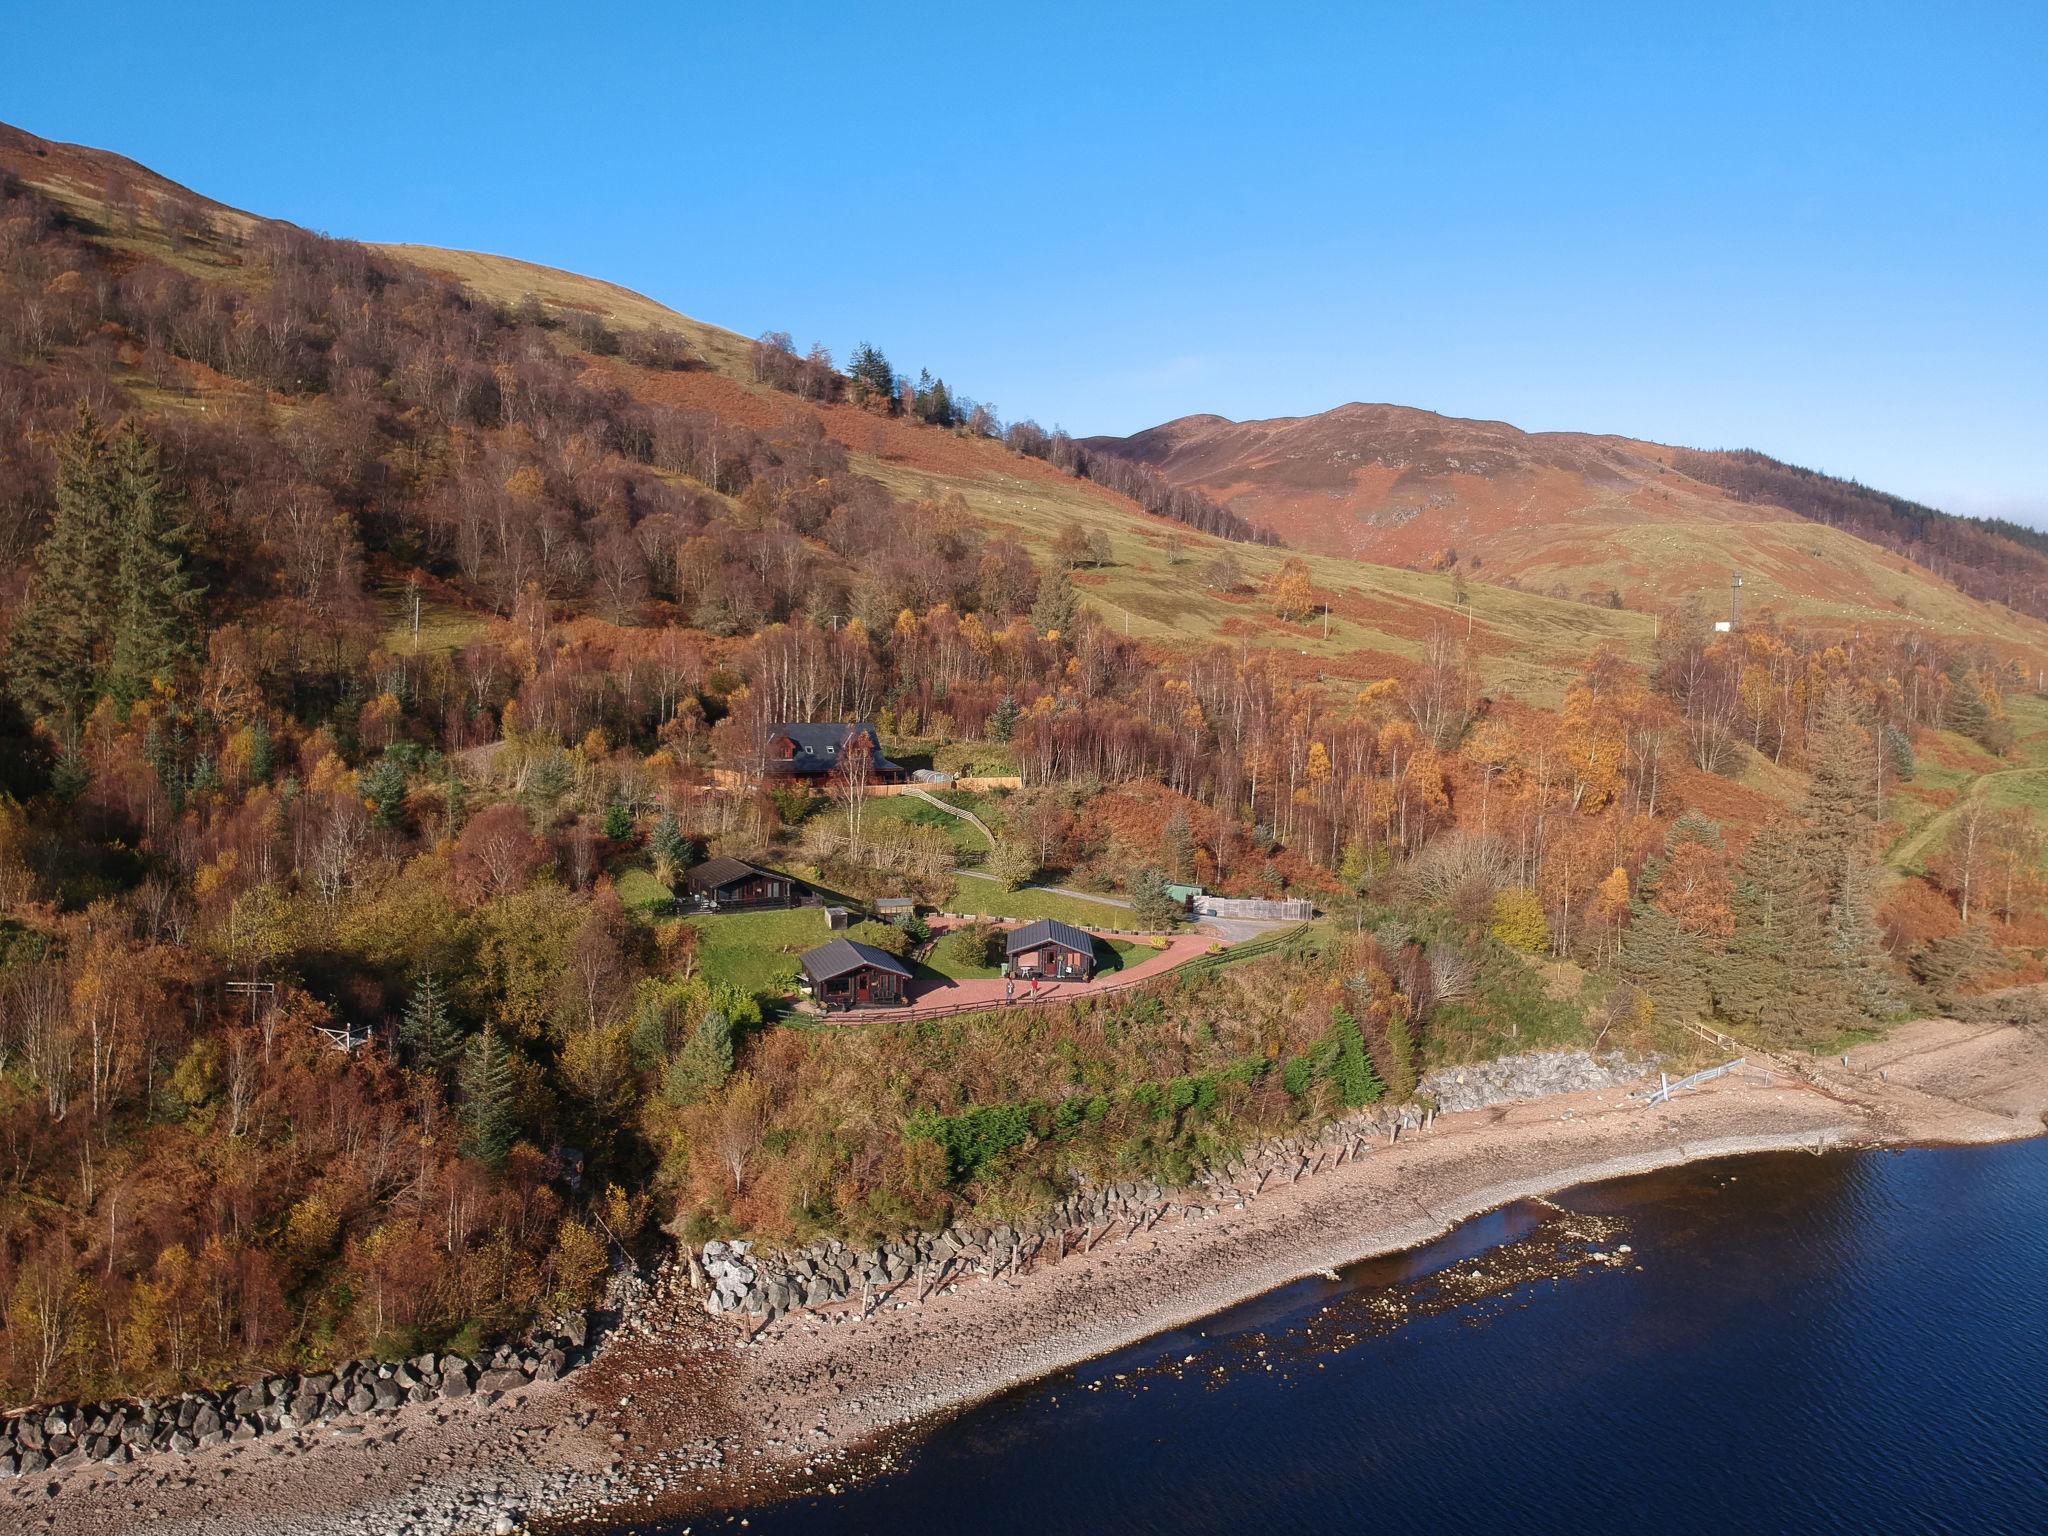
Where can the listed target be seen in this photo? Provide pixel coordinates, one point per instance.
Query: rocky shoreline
(64, 1436)
(761, 1287)
(702, 1399)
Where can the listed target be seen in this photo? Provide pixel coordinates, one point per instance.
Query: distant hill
(1376, 499)
(1586, 515)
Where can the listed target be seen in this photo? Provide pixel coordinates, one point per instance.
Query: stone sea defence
(67, 1435)
(834, 1281)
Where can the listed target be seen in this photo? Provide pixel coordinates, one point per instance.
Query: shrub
(1011, 864)
(1518, 920)
(976, 945)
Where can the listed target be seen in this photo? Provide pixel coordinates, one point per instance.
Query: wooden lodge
(727, 885)
(844, 973)
(1051, 950)
(811, 753)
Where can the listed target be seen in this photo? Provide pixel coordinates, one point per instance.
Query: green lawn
(641, 892)
(756, 951)
(988, 898)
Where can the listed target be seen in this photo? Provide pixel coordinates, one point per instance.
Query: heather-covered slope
(1589, 516)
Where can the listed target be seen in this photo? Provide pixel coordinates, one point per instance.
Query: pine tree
(668, 845)
(262, 752)
(1965, 712)
(1836, 817)
(1058, 605)
(429, 1029)
(1779, 971)
(490, 1098)
(1351, 1071)
(1661, 959)
(1002, 725)
(156, 601)
(871, 373)
(383, 787)
(618, 821)
(701, 1067)
(1152, 906)
(1857, 948)
(57, 643)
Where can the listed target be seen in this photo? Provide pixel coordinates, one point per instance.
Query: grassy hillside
(1156, 583)
(1573, 514)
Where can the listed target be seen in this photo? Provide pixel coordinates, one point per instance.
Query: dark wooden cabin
(1051, 949)
(845, 973)
(727, 885)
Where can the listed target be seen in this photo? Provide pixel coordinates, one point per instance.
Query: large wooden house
(811, 753)
(845, 973)
(727, 885)
(1052, 950)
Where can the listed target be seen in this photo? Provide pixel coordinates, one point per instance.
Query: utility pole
(1734, 599)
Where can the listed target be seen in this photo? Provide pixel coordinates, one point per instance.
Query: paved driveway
(929, 997)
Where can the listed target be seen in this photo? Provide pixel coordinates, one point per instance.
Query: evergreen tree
(1002, 725)
(1949, 966)
(1900, 748)
(383, 786)
(1351, 1071)
(490, 1098)
(429, 1029)
(56, 646)
(668, 845)
(1779, 971)
(1964, 711)
(701, 1067)
(1837, 816)
(1857, 948)
(1058, 605)
(262, 752)
(871, 373)
(1154, 909)
(156, 601)
(1693, 826)
(618, 821)
(1354, 869)
(1661, 959)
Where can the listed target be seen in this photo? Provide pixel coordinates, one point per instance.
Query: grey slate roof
(839, 956)
(818, 744)
(1050, 930)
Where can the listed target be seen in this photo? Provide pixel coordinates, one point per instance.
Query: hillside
(1587, 516)
(388, 633)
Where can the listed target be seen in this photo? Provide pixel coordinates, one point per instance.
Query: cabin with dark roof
(811, 753)
(1050, 949)
(845, 973)
(727, 885)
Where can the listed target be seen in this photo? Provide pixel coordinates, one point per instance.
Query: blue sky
(1817, 230)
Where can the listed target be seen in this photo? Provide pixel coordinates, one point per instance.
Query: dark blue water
(1857, 1342)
